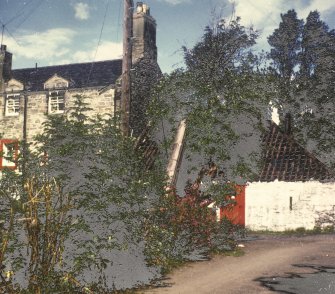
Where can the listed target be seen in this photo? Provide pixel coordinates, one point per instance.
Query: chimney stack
(288, 124)
(144, 33)
(5, 66)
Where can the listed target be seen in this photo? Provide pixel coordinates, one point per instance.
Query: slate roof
(286, 160)
(102, 73)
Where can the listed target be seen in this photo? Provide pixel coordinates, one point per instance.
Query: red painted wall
(236, 212)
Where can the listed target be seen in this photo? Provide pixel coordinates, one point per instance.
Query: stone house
(28, 95)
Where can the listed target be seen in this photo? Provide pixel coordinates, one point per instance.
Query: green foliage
(302, 56)
(286, 45)
(183, 227)
(223, 95)
(84, 192)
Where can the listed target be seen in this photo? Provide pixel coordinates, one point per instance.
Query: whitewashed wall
(268, 204)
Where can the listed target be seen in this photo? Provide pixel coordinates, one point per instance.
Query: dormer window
(56, 102)
(14, 86)
(12, 104)
(56, 82)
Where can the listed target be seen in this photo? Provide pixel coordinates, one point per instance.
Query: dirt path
(265, 257)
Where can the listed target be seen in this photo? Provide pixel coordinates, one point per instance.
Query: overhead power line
(9, 33)
(96, 50)
(118, 25)
(30, 13)
(17, 15)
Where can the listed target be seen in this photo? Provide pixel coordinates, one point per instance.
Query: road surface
(267, 257)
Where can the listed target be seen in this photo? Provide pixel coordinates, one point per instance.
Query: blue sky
(51, 32)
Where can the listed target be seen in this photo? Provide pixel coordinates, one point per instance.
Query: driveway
(266, 258)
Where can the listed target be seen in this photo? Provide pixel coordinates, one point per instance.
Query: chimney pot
(288, 124)
(139, 7)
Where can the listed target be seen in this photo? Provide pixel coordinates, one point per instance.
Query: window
(8, 153)
(12, 104)
(56, 101)
(56, 82)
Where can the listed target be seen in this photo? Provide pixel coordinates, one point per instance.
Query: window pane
(56, 102)
(12, 104)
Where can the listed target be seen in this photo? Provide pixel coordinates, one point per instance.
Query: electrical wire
(118, 25)
(2, 34)
(19, 13)
(96, 50)
(34, 8)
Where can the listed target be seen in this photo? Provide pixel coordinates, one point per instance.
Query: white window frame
(56, 103)
(12, 107)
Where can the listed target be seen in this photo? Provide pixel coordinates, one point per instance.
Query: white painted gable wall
(267, 205)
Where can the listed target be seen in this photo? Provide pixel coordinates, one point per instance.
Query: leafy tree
(85, 194)
(314, 46)
(315, 122)
(222, 95)
(303, 63)
(286, 46)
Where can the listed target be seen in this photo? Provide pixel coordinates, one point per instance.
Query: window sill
(12, 114)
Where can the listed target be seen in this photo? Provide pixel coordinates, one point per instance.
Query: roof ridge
(67, 64)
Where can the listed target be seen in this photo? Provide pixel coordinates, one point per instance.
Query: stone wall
(11, 127)
(279, 206)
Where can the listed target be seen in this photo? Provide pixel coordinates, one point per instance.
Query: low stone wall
(279, 206)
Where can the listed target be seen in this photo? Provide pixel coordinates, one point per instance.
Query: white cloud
(107, 50)
(46, 45)
(82, 11)
(259, 13)
(264, 15)
(57, 46)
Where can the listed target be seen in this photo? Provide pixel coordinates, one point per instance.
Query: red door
(236, 212)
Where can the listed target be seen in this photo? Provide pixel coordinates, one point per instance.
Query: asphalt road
(284, 264)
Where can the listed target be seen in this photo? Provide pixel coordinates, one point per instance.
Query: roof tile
(286, 160)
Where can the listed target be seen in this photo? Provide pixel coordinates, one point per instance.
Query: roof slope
(79, 75)
(286, 160)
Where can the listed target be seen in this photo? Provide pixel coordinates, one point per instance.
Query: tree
(286, 45)
(284, 54)
(314, 46)
(303, 63)
(222, 95)
(85, 195)
(315, 121)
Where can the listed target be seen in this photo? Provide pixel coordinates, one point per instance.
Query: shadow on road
(322, 280)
